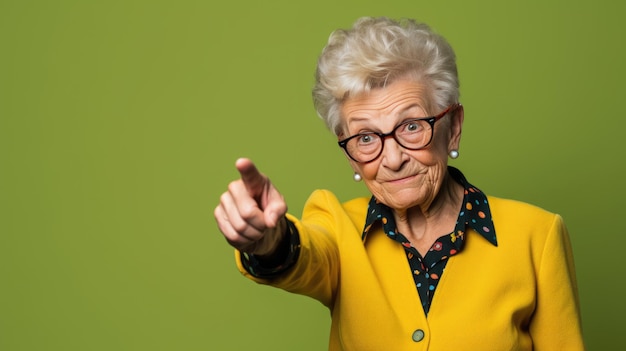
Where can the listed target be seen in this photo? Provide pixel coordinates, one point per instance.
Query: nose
(393, 155)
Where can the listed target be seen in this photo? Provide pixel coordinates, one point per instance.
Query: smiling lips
(400, 180)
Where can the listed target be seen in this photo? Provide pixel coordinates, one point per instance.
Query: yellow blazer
(520, 295)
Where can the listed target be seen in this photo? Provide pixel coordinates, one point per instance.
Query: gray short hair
(374, 53)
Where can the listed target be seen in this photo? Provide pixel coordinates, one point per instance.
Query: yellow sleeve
(316, 272)
(556, 323)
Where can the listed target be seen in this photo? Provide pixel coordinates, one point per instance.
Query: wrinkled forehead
(397, 100)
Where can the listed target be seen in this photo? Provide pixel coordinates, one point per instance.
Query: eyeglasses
(412, 134)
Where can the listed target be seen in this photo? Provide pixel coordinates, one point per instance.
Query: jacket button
(418, 335)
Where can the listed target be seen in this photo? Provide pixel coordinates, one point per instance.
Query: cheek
(367, 170)
(439, 154)
(362, 169)
(438, 151)
(433, 156)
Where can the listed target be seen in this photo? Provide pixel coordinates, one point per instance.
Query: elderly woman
(429, 262)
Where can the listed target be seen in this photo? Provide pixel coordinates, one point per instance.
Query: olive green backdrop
(120, 122)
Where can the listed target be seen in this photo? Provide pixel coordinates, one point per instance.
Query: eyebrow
(357, 119)
(402, 114)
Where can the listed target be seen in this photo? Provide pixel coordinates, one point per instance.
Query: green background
(120, 122)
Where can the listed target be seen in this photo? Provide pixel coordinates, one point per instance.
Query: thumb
(275, 210)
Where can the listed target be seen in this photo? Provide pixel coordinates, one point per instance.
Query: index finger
(250, 175)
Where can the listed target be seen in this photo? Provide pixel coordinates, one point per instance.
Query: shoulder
(324, 201)
(509, 209)
(327, 198)
(502, 204)
(520, 219)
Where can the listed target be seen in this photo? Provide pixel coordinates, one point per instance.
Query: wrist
(284, 254)
(271, 239)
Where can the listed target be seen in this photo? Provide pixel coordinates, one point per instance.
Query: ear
(456, 128)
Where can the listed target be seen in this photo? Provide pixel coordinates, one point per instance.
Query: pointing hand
(251, 214)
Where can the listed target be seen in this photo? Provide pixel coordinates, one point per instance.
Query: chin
(402, 201)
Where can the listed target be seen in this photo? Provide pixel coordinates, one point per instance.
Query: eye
(365, 138)
(412, 126)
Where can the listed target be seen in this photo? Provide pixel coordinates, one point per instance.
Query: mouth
(401, 179)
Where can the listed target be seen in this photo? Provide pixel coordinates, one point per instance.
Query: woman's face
(401, 178)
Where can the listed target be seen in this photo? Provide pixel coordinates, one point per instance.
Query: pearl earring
(454, 154)
(357, 177)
